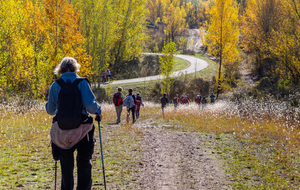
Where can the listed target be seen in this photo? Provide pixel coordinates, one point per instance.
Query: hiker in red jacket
(198, 100)
(118, 102)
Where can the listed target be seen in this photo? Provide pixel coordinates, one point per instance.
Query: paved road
(196, 65)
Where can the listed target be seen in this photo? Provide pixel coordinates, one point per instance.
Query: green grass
(210, 71)
(25, 153)
(256, 165)
(180, 64)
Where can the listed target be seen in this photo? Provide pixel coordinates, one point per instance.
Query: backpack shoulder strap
(78, 80)
(61, 82)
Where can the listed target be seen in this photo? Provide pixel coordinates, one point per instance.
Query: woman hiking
(72, 127)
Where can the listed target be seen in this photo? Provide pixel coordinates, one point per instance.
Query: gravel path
(195, 66)
(179, 160)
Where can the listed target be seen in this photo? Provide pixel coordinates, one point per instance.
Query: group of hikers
(132, 102)
(71, 101)
(199, 100)
(185, 100)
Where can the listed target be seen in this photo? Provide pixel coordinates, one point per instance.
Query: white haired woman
(66, 135)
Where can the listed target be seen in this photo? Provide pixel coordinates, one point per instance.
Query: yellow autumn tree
(115, 32)
(36, 59)
(14, 67)
(175, 21)
(286, 42)
(223, 36)
(153, 7)
(167, 62)
(260, 20)
(64, 36)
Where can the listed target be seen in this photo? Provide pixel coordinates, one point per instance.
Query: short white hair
(67, 64)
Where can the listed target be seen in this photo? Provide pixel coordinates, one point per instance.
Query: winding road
(195, 66)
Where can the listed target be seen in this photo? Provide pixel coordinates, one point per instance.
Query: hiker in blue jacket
(65, 142)
(212, 98)
(130, 103)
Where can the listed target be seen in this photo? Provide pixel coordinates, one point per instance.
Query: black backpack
(69, 109)
(138, 100)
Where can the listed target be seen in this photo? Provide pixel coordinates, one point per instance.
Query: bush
(101, 95)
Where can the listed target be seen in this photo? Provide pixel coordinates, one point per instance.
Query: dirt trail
(179, 160)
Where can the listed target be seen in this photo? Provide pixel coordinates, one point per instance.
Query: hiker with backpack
(130, 103)
(184, 99)
(71, 100)
(104, 78)
(204, 102)
(198, 100)
(212, 98)
(164, 102)
(176, 101)
(139, 102)
(108, 74)
(118, 101)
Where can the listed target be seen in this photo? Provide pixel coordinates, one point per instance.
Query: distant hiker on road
(108, 74)
(130, 103)
(176, 101)
(164, 102)
(212, 98)
(104, 79)
(72, 127)
(118, 101)
(139, 102)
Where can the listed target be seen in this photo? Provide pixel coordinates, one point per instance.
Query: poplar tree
(259, 22)
(223, 35)
(285, 45)
(166, 64)
(175, 21)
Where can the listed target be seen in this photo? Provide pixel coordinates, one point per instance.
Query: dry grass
(262, 142)
(267, 134)
(25, 154)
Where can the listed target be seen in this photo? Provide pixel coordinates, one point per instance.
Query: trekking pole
(103, 168)
(55, 174)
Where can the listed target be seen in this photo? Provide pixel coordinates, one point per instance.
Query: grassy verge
(180, 64)
(257, 165)
(25, 153)
(260, 148)
(25, 156)
(210, 71)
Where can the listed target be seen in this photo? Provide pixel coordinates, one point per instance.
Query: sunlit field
(25, 153)
(259, 140)
(263, 138)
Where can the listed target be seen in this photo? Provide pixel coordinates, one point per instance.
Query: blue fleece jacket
(88, 98)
